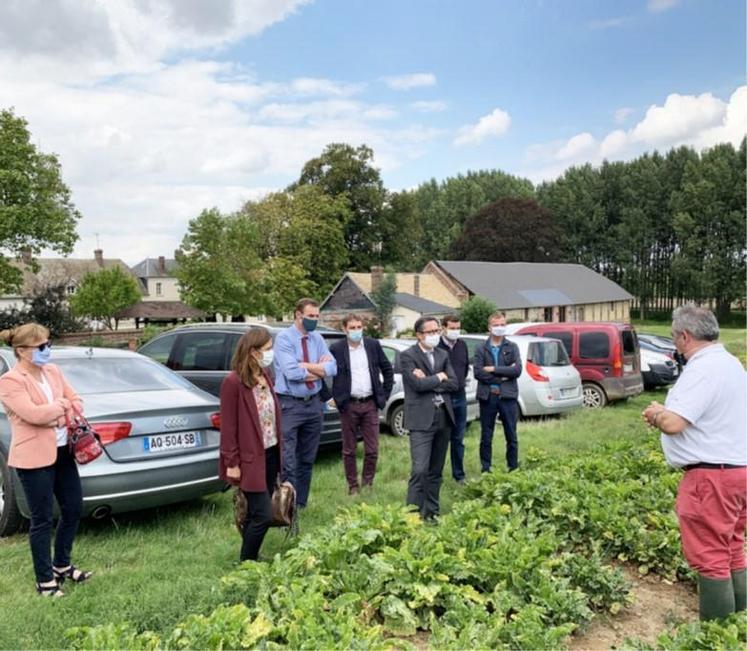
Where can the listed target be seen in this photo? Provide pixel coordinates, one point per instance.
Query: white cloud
(102, 38)
(659, 6)
(492, 125)
(434, 106)
(146, 144)
(577, 146)
(610, 23)
(700, 121)
(406, 82)
(622, 114)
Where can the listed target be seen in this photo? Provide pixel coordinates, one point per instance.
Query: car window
(199, 351)
(472, 345)
(593, 345)
(3, 365)
(117, 374)
(390, 353)
(548, 353)
(628, 340)
(159, 349)
(565, 337)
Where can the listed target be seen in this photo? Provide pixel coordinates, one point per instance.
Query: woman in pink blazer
(250, 434)
(37, 401)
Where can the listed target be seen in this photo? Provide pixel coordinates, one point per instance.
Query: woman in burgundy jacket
(250, 434)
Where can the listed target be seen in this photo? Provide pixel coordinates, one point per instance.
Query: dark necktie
(305, 349)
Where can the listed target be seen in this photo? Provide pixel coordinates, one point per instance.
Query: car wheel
(397, 421)
(10, 516)
(594, 396)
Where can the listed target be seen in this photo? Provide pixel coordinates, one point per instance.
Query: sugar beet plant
(522, 564)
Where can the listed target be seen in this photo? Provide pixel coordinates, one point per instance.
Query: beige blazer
(32, 418)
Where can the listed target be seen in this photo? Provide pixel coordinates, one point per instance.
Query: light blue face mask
(355, 335)
(41, 357)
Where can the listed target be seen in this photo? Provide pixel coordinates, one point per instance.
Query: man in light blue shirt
(302, 361)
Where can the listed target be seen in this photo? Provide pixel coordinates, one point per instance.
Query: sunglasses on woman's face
(41, 347)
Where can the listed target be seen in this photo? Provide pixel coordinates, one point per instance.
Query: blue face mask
(355, 335)
(41, 357)
(309, 324)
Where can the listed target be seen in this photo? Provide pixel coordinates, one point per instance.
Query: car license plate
(627, 368)
(675, 372)
(165, 442)
(566, 393)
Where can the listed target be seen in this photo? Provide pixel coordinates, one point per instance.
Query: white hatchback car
(549, 383)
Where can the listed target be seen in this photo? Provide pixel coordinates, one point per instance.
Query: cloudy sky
(160, 108)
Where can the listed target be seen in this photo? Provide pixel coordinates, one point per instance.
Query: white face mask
(268, 356)
(498, 331)
(453, 335)
(431, 340)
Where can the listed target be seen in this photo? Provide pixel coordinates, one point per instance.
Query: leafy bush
(474, 314)
(522, 564)
(723, 635)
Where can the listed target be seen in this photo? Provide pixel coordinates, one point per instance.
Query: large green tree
(36, 210)
(102, 294)
(219, 268)
(342, 170)
(304, 228)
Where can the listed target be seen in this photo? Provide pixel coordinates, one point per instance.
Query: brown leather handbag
(283, 505)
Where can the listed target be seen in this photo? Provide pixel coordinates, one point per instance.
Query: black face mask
(679, 358)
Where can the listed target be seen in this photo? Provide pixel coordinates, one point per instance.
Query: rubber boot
(739, 583)
(716, 597)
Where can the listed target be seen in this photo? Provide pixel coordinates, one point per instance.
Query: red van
(606, 354)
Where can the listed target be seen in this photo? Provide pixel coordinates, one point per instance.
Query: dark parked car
(606, 354)
(202, 354)
(657, 367)
(159, 432)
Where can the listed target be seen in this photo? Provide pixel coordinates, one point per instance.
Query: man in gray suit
(428, 379)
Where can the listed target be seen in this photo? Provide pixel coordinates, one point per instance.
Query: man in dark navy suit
(359, 393)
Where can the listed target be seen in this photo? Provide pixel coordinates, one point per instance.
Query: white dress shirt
(360, 375)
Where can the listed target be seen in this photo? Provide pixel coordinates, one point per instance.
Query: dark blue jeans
(459, 403)
(42, 486)
(302, 427)
(508, 408)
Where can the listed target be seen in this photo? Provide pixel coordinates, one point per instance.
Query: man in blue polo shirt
(302, 361)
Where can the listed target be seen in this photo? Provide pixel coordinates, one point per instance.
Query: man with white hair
(704, 431)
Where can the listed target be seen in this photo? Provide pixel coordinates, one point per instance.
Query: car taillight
(215, 420)
(110, 432)
(536, 373)
(617, 362)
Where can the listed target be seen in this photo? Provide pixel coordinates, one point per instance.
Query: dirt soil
(656, 604)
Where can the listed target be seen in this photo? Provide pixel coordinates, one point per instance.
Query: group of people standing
(272, 407)
(271, 423)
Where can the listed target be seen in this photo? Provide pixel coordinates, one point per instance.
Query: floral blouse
(266, 409)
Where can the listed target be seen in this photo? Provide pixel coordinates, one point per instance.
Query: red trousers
(712, 510)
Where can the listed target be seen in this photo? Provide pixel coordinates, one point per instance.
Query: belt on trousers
(299, 398)
(366, 399)
(712, 466)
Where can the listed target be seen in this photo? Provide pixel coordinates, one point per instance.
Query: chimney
(416, 285)
(98, 255)
(377, 275)
(161, 265)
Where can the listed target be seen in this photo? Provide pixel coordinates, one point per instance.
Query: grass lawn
(155, 567)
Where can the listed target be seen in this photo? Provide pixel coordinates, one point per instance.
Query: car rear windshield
(548, 353)
(628, 339)
(115, 374)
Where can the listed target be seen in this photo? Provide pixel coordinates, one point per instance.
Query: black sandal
(72, 573)
(49, 590)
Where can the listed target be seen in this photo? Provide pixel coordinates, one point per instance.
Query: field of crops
(521, 563)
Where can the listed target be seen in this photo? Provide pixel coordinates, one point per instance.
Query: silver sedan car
(160, 435)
